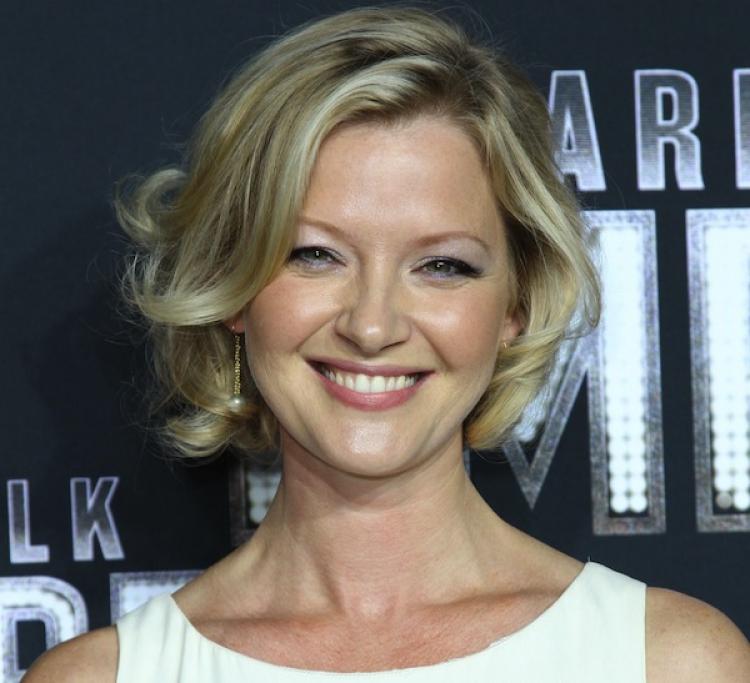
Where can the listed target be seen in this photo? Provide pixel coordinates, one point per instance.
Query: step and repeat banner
(636, 455)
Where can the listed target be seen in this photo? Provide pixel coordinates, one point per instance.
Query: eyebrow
(418, 242)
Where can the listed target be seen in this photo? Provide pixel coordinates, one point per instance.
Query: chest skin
(428, 637)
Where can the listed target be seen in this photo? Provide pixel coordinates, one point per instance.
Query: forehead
(420, 176)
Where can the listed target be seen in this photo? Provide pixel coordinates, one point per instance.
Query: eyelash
(463, 269)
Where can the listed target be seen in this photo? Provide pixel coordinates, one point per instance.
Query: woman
(372, 205)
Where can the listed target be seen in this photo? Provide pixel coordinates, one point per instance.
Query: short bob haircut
(213, 232)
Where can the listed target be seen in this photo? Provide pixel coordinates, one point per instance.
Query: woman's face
(400, 261)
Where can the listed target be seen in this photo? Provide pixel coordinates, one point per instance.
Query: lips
(323, 367)
(367, 384)
(398, 389)
(362, 369)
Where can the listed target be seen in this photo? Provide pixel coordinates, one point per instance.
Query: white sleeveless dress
(593, 633)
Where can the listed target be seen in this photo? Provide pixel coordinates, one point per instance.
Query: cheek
(466, 329)
(463, 327)
(280, 318)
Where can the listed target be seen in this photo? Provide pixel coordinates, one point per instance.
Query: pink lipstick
(369, 401)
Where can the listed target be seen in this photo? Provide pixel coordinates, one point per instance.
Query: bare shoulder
(688, 640)
(90, 657)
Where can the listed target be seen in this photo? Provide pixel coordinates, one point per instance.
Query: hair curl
(214, 231)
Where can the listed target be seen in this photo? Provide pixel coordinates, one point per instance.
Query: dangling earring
(505, 345)
(237, 400)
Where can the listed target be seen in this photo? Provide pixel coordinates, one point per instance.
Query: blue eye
(441, 268)
(450, 268)
(312, 256)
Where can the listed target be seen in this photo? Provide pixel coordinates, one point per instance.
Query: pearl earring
(237, 400)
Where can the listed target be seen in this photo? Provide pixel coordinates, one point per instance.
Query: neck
(373, 548)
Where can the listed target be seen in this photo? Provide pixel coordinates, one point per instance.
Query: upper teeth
(368, 384)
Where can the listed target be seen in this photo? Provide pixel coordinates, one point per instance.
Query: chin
(368, 459)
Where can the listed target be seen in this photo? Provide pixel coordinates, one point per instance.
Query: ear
(236, 323)
(512, 327)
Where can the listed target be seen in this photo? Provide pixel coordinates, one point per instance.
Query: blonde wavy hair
(212, 232)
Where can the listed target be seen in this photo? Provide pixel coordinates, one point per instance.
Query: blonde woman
(371, 213)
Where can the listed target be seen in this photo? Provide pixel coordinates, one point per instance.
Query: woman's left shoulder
(689, 640)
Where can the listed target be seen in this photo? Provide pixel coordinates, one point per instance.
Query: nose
(373, 315)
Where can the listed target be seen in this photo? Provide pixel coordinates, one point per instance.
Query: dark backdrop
(642, 463)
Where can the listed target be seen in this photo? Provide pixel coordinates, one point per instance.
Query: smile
(368, 384)
(368, 392)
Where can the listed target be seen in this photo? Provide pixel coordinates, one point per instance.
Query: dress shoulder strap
(613, 617)
(594, 632)
(151, 642)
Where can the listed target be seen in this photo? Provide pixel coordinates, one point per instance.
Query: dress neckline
(386, 674)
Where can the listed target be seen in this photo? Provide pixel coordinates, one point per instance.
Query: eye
(312, 256)
(450, 268)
